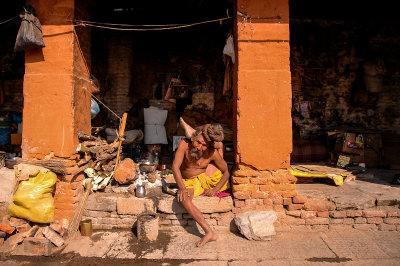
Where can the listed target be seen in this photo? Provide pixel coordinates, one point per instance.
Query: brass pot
(86, 227)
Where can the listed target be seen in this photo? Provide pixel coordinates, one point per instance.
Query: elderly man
(192, 158)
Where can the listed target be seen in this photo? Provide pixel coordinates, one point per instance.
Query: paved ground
(350, 247)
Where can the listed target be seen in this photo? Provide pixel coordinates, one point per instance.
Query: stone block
(169, 204)
(365, 227)
(340, 227)
(256, 225)
(353, 201)
(97, 214)
(53, 236)
(135, 206)
(388, 199)
(101, 203)
(319, 205)
(320, 227)
(386, 227)
(37, 246)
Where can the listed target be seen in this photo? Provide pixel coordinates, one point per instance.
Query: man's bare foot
(208, 237)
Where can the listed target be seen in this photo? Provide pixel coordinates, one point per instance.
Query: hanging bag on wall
(30, 32)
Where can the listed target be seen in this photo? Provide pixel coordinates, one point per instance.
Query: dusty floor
(350, 247)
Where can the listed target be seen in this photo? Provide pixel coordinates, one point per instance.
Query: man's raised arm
(176, 170)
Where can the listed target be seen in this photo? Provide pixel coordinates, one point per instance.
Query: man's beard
(195, 153)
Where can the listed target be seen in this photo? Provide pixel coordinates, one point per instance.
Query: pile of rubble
(22, 237)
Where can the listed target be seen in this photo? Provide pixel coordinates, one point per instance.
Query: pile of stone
(97, 159)
(18, 236)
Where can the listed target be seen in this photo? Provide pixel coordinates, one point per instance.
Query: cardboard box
(16, 139)
(343, 143)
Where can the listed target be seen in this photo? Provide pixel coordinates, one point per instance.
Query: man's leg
(199, 218)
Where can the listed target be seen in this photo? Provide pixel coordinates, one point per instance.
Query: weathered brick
(354, 213)
(317, 220)
(240, 180)
(278, 201)
(338, 214)
(289, 194)
(319, 205)
(245, 173)
(374, 213)
(254, 202)
(366, 227)
(308, 214)
(238, 203)
(54, 237)
(259, 195)
(293, 207)
(285, 186)
(336, 221)
(58, 228)
(374, 220)
(265, 187)
(5, 227)
(241, 194)
(287, 201)
(323, 214)
(360, 220)
(300, 199)
(268, 202)
(14, 222)
(348, 221)
(294, 213)
(23, 228)
(387, 227)
(247, 187)
(392, 220)
(393, 213)
(1, 241)
(135, 206)
(259, 181)
(107, 220)
(3, 234)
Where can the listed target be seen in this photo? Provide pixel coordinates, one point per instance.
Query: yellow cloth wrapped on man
(203, 182)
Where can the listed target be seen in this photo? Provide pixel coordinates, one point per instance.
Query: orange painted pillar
(263, 85)
(56, 104)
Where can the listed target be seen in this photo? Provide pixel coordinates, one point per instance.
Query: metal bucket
(86, 227)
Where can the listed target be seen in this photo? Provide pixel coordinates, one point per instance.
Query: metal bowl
(147, 168)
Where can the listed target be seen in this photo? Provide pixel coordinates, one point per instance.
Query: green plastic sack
(33, 200)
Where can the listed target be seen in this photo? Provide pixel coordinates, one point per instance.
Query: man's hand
(182, 194)
(210, 192)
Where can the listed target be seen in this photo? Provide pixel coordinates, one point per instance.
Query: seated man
(191, 160)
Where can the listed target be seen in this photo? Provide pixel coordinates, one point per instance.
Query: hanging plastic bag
(229, 48)
(30, 32)
(33, 200)
(94, 108)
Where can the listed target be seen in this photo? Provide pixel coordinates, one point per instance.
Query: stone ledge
(169, 204)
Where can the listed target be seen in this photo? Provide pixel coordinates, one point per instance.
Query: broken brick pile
(29, 238)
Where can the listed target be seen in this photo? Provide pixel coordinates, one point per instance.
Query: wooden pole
(120, 137)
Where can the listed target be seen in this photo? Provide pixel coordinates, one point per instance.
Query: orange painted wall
(263, 85)
(55, 104)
